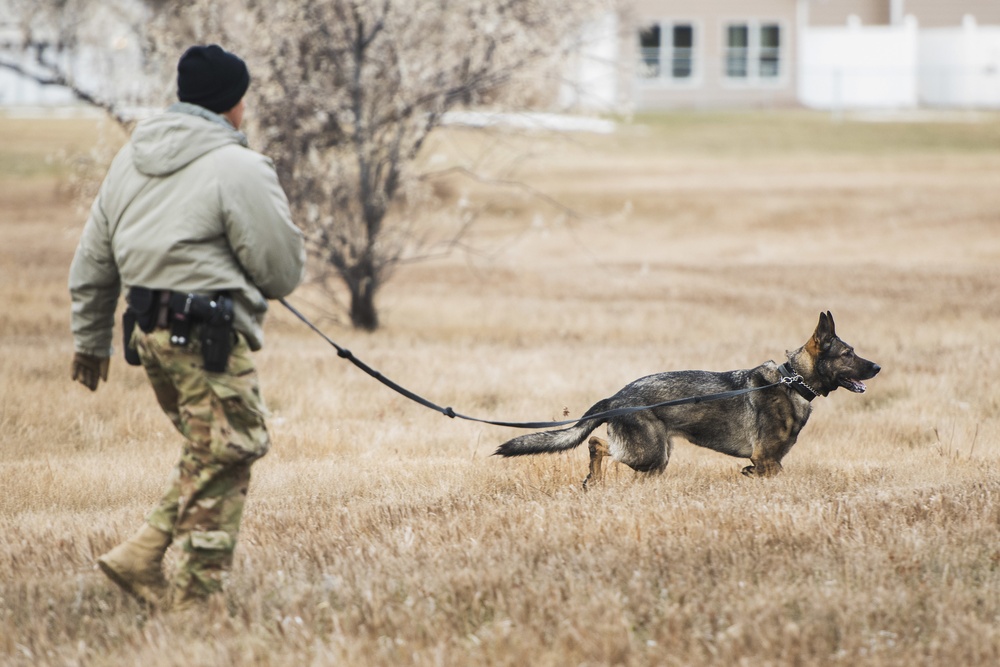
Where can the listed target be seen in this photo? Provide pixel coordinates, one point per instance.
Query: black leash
(449, 412)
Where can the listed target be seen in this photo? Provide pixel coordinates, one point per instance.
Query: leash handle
(344, 353)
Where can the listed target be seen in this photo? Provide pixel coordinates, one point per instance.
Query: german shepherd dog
(759, 425)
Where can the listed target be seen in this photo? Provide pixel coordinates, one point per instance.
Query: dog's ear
(825, 331)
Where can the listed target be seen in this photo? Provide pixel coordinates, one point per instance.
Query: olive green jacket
(185, 206)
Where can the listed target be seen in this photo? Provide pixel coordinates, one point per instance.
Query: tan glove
(89, 370)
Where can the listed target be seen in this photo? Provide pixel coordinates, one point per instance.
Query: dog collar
(796, 382)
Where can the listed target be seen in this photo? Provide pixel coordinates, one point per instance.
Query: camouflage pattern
(221, 415)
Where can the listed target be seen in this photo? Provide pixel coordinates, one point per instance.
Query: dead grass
(379, 533)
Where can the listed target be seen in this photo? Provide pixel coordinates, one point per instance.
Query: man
(197, 229)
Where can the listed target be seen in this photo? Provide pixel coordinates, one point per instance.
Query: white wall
(592, 72)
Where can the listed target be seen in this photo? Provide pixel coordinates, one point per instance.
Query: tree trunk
(364, 315)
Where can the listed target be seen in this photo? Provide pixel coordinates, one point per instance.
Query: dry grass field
(380, 533)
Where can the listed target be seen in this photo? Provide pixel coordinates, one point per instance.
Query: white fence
(17, 90)
(859, 66)
(900, 67)
(960, 67)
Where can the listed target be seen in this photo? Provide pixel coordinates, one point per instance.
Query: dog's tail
(557, 440)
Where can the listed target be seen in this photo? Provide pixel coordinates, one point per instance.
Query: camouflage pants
(221, 415)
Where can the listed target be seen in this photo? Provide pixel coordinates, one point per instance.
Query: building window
(753, 51)
(682, 51)
(649, 52)
(738, 51)
(667, 51)
(769, 58)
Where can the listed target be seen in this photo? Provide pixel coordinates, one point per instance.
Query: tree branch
(59, 79)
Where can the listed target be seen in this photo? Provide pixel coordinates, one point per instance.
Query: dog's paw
(763, 469)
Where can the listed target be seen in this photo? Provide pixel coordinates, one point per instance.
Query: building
(669, 54)
(817, 53)
(710, 53)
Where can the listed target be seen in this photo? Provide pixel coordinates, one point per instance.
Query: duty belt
(180, 312)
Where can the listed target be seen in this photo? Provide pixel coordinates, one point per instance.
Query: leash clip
(791, 379)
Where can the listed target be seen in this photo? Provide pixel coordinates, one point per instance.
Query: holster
(217, 334)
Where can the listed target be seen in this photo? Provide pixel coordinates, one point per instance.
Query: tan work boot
(136, 565)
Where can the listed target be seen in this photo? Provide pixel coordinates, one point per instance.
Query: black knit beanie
(212, 78)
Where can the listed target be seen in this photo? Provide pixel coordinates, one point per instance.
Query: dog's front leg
(598, 450)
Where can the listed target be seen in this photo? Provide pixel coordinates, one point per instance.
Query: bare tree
(359, 86)
(346, 93)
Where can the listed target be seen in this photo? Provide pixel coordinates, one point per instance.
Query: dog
(761, 425)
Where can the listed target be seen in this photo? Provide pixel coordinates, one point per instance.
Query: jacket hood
(172, 140)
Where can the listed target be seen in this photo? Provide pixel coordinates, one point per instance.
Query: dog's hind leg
(639, 441)
(598, 450)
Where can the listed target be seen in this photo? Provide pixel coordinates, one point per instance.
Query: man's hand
(89, 370)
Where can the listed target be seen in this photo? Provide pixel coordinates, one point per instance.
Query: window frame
(668, 54)
(754, 54)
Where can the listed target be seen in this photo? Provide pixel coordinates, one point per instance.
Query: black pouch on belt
(142, 311)
(143, 303)
(128, 326)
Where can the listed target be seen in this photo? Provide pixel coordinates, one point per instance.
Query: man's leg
(207, 530)
(223, 418)
(136, 565)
